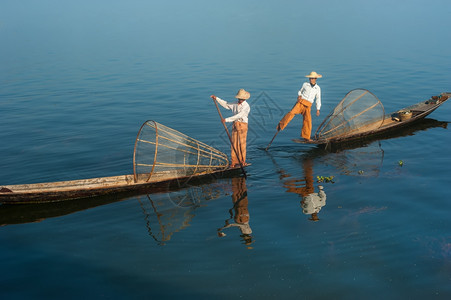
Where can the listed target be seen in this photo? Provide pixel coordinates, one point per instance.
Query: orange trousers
(302, 107)
(239, 139)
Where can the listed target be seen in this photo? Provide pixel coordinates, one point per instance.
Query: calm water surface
(78, 80)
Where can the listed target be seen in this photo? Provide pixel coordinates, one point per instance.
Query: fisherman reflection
(239, 212)
(311, 202)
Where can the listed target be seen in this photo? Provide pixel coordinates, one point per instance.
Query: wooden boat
(360, 115)
(184, 196)
(163, 158)
(102, 186)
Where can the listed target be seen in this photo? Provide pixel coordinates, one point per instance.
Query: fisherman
(241, 111)
(309, 92)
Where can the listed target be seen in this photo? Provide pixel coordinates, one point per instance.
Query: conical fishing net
(162, 152)
(360, 110)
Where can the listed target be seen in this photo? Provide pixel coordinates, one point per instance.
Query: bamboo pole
(272, 140)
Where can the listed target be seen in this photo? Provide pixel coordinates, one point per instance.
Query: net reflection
(366, 161)
(168, 213)
(239, 213)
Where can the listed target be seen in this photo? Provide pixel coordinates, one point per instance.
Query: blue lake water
(78, 79)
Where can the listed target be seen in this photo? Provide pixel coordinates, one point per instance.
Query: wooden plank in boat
(302, 141)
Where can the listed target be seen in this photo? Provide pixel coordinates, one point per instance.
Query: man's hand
(213, 97)
(317, 113)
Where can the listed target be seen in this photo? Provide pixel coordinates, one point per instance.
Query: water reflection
(239, 213)
(364, 162)
(180, 195)
(168, 213)
(312, 201)
(363, 158)
(32, 213)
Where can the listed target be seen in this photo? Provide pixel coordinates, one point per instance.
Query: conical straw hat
(313, 74)
(243, 94)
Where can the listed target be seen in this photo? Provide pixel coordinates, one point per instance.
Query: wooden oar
(272, 140)
(230, 138)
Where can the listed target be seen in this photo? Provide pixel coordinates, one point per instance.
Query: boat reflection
(172, 209)
(239, 213)
(33, 213)
(165, 213)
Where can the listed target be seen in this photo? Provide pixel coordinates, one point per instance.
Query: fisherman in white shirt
(309, 92)
(240, 121)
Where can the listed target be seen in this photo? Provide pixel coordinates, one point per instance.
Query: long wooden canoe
(163, 158)
(94, 187)
(389, 123)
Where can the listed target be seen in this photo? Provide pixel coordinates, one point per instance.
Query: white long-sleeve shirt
(309, 93)
(240, 111)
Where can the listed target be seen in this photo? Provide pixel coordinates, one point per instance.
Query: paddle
(266, 149)
(287, 118)
(230, 138)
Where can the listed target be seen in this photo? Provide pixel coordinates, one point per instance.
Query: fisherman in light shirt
(240, 120)
(309, 93)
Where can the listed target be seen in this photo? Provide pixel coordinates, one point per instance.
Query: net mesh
(360, 110)
(162, 152)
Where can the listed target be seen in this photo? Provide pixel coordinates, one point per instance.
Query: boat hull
(102, 186)
(391, 124)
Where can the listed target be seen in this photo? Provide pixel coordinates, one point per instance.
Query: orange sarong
(239, 137)
(302, 107)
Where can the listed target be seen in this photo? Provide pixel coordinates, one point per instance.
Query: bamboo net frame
(358, 110)
(161, 151)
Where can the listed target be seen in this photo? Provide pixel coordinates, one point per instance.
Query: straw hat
(243, 94)
(313, 74)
